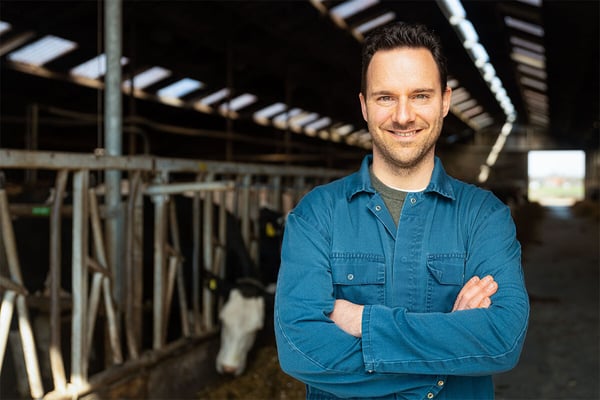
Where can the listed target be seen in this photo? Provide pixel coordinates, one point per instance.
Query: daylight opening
(556, 178)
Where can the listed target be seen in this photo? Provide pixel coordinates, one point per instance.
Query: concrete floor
(560, 359)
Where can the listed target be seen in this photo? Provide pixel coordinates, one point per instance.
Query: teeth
(404, 134)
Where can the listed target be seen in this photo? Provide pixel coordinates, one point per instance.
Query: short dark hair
(403, 34)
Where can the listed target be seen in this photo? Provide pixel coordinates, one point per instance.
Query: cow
(250, 300)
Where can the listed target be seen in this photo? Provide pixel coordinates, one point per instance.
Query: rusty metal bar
(160, 230)
(196, 268)
(207, 241)
(175, 188)
(182, 295)
(244, 214)
(29, 352)
(79, 279)
(105, 283)
(133, 266)
(56, 359)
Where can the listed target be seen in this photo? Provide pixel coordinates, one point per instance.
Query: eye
(385, 99)
(421, 96)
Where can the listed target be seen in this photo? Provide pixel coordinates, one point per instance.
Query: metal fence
(112, 295)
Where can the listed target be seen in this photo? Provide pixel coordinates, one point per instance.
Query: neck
(409, 179)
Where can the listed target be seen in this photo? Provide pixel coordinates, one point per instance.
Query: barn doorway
(556, 177)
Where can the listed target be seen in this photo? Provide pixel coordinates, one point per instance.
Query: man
(398, 281)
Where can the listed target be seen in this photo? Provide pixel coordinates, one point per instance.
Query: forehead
(402, 66)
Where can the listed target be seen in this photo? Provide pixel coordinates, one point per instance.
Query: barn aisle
(561, 262)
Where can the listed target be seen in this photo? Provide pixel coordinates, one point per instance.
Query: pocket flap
(448, 270)
(356, 271)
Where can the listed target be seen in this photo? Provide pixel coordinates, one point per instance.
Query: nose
(228, 369)
(403, 112)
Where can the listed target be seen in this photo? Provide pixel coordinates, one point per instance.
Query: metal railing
(237, 188)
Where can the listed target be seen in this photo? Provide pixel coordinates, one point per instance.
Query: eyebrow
(387, 92)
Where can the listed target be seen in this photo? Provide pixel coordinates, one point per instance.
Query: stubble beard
(403, 160)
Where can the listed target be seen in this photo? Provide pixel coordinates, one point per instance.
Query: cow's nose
(228, 369)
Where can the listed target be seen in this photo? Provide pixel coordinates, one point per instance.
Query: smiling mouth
(404, 133)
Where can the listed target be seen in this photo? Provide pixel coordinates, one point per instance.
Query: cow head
(241, 317)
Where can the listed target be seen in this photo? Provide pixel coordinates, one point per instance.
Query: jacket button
(377, 208)
(413, 200)
(440, 383)
(430, 395)
(350, 277)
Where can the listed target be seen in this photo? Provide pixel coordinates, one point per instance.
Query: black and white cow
(249, 305)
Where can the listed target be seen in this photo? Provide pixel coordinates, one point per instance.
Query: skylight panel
(538, 106)
(535, 3)
(147, 78)
(465, 104)
(4, 27)
(527, 44)
(215, 97)
(312, 128)
(527, 57)
(535, 95)
(479, 54)
(351, 7)
(539, 118)
(453, 10)
(94, 68)
(230, 108)
(262, 116)
(375, 22)
(536, 72)
(240, 102)
(483, 120)
(281, 121)
(459, 95)
(534, 83)
(524, 26)
(467, 33)
(298, 121)
(452, 83)
(344, 129)
(42, 51)
(471, 112)
(180, 88)
(488, 72)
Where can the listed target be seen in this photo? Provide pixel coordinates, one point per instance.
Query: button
(377, 208)
(440, 383)
(430, 395)
(413, 200)
(350, 276)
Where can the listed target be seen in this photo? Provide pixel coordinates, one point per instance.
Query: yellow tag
(212, 284)
(270, 230)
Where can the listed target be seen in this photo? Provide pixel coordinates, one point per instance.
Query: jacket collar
(361, 181)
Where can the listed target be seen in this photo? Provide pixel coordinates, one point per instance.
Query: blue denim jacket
(340, 242)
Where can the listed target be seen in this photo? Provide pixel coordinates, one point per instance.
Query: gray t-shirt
(393, 198)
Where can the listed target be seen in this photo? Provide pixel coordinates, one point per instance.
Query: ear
(363, 105)
(446, 99)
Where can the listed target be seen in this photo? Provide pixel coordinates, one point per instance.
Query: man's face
(404, 106)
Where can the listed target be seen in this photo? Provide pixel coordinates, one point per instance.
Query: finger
(484, 288)
(485, 303)
(465, 289)
(473, 295)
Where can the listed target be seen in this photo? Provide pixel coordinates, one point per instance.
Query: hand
(348, 316)
(476, 293)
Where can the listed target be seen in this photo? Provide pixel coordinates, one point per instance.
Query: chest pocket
(446, 278)
(359, 278)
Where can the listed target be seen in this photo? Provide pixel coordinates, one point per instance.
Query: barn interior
(274, 84)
